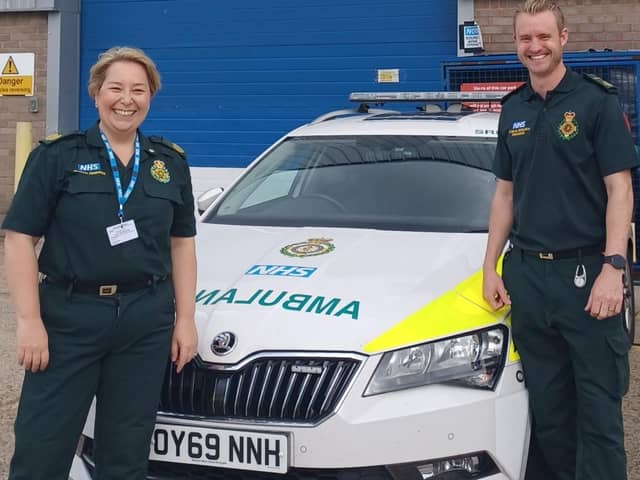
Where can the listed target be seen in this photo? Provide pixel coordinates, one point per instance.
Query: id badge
(122, 232)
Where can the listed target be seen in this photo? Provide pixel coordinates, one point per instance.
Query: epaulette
(606, 86)
(56, 137)
(167, 143)
(512, 92)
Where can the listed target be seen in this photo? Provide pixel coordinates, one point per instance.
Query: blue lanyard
(123, 197)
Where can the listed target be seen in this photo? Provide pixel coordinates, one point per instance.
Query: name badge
(122, 232)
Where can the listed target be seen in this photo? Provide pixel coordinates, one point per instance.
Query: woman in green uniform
(111, 296)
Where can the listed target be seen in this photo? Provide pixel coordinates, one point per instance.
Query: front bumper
(368, 437)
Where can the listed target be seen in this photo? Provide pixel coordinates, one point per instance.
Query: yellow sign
(18, 85)
(391, 75)
(10, 67)
(17, 74)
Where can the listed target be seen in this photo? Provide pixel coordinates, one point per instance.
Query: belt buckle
(107, 290)
(545, 256)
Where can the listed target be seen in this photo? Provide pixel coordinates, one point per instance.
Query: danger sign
(16, 76)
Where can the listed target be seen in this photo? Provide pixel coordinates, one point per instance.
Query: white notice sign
(16, 73)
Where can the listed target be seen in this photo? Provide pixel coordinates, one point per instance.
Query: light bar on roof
(380, 97)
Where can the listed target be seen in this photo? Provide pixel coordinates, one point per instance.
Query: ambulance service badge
(310, 248)
(568, 128)
(159, 171)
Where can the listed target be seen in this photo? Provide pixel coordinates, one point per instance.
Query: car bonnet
(330, 289)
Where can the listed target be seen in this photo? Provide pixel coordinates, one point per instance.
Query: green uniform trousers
(115, 348)
(576, 367)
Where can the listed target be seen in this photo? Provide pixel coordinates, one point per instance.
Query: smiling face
(539, 43)
(123, 99)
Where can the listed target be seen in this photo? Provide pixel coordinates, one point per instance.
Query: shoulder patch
(168, 143)
(177, 148)
(54, 137)
(511, 93)
(606, 86)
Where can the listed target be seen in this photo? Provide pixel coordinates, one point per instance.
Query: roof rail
(349, 111)
(383, 97)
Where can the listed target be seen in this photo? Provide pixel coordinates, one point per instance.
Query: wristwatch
(616, 261)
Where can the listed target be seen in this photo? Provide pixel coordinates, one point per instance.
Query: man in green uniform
(564, 199)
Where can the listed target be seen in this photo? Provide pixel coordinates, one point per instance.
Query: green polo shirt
(556, 152)
(67, 193)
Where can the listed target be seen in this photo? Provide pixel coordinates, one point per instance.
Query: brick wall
(597, 24)
(19, 33)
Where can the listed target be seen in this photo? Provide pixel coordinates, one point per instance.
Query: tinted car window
(385, 182)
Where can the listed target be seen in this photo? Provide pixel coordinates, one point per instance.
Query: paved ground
(11, 375)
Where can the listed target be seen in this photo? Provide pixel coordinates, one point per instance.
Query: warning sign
(16, 77)
(10, 67)
(487, 87)
(16, 85)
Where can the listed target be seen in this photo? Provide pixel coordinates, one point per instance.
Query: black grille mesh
(159, 471)
(277, 389)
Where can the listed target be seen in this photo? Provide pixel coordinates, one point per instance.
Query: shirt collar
(569, 82)
(93, 136)
(94, 139)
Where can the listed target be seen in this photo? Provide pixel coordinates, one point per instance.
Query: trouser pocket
(619, 345)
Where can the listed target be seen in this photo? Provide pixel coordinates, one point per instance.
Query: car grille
(284, 389)
(166, 471)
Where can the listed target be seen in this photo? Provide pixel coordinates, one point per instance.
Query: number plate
(264, 452)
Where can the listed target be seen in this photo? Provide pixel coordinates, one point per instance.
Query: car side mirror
(207, 198)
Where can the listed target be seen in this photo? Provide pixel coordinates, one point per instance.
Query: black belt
(563, 254)
(105, 289)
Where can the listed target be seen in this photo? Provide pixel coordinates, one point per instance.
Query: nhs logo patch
(281, 271)
(88, 167)
(517, 125)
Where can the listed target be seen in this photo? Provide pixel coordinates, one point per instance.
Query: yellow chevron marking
(459, 310)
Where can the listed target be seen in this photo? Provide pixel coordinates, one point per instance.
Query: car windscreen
(389, 182)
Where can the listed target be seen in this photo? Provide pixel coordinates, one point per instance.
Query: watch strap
(616, 261)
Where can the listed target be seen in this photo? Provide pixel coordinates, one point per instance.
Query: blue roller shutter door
(238, 75)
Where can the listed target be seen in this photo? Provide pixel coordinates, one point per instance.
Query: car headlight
(472, 360)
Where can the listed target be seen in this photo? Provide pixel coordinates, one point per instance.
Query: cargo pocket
(619, 344)
(88, 200)
(160, 203)
(163, 191)
(79, 183)
(157, 211)
(507, 260)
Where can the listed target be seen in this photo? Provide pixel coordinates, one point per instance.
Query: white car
(342, 329)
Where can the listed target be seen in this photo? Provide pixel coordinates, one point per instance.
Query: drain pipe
(23, 147)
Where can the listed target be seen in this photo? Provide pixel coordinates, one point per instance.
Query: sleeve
(184, 220)
(612, 141)
(35, 199)
(502, 159)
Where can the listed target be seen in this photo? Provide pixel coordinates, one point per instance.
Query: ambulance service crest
(568, 128)
(310, 248)
(159, 171)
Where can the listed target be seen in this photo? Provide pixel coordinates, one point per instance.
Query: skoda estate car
(342, 329)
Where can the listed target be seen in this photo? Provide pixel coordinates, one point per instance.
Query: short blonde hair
(98, 71)
(531, 7)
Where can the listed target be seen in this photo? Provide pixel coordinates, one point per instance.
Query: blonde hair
(98, 71)
(531, 7)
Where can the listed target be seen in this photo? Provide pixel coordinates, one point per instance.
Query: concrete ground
(11, 376)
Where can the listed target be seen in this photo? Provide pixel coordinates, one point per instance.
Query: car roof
(387, 122)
